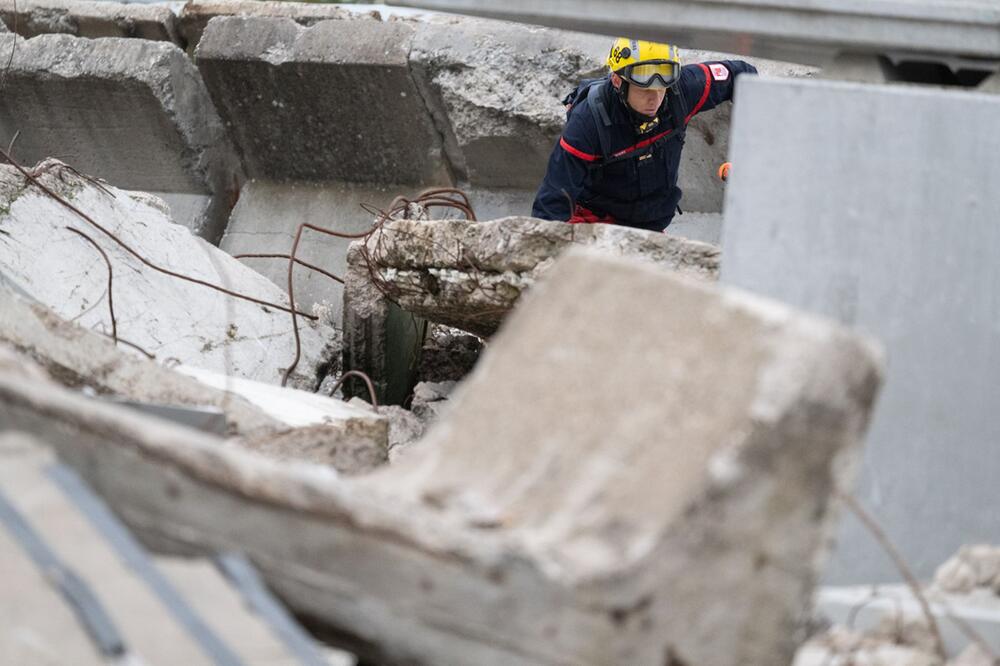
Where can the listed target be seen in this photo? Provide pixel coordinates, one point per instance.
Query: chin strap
(642, 123)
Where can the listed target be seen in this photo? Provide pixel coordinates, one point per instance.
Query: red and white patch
(719, 72)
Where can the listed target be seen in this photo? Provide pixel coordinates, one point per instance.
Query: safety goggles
(647, 74)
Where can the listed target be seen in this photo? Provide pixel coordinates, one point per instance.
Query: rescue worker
(618, 156)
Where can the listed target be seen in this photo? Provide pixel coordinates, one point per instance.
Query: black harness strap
(602, 119)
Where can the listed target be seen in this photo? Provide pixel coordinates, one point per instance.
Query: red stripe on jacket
(704, 93)
(576, 153)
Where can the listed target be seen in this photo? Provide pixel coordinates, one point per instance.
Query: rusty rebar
(288, 256)
(142, 259)
(125, 342)
(292, 259)
(365, 378)
(883, 539)
(107, 262)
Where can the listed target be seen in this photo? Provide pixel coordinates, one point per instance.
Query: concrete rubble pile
(60, 92)
(470, 276)
(886, 624)
(684, 528)
(83, 18)
(162, 314)
(281, 423)
(146, 609)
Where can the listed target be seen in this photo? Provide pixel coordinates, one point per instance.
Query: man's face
(646, 101)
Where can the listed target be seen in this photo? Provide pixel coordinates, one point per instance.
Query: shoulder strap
(601, 118)
(678, 107)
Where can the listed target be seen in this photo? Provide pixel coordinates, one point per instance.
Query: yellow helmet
(645, 64)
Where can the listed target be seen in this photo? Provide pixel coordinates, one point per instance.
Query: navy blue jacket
(637, 183)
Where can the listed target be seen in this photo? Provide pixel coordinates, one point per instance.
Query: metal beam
(806, 31)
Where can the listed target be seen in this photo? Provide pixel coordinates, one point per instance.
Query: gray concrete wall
(84, 18)
(132, 111)
(344, 86)
(879, 206)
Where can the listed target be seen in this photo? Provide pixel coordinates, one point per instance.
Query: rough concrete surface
(162, 314)
(469, 276)
(872, 619)
(494, 90)
(653, 505)
(324, 430)
(287, 424)
(83, 18)
(345, 85)
(841, 203)
(195, 14)
(132, 111)
(677, 512)
(268, 214)
(39, 624)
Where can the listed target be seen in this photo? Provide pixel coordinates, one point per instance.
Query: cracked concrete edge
(76, 358)
(519, 244)
(452, 154)
(208, 155)
(84, 18)
(86, 430)
(196, 14)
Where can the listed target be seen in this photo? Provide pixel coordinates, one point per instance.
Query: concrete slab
(469, 276)
(865, 607)
(495, 89)
(196, 14)
(808, 31)
(683, 484)
(319, 429)
(160, 313)
(151, 632)
(282, 423)
(131, 111)
(268, 214)
(344, 85)
(878, 206)
(83, 18)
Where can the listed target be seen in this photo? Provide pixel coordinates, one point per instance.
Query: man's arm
(708, 84)
(568, 170)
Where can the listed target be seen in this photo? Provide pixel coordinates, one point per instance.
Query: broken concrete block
(448, 354)
(469, 276)
(344, 85)
(196, 14)
(494, 90)
(165, 138)
(213, 618)
(892, 614)
(282, 423)
(674, 509)
(971, 568)
(322, 429)
(268, 215)
(868, 259)
(162, 314)
(83, 18)
(687, 497)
